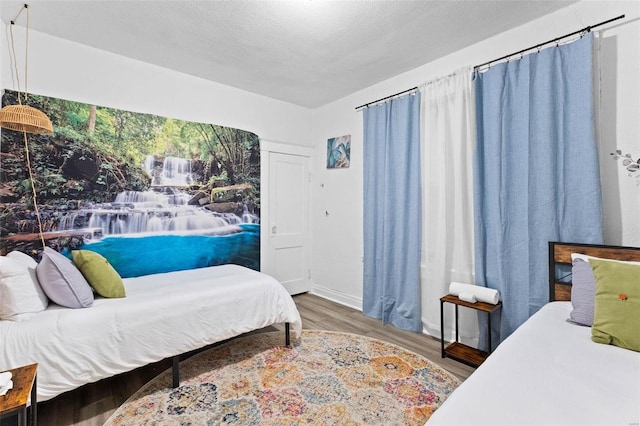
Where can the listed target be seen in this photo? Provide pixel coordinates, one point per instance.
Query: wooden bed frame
(560, 254)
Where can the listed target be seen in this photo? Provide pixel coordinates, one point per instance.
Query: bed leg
(287, 336)
(176, 371)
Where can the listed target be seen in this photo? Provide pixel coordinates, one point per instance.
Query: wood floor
(94, 403)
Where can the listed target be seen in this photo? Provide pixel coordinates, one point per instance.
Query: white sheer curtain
(448, 141)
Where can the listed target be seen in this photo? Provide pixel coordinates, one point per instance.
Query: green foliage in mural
(115, 142)
(76, 162)
(97, 152)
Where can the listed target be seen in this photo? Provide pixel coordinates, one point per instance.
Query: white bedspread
(549, 372)
(163, 315)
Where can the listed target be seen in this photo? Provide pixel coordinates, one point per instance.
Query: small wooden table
(459, 351)
(24, 383)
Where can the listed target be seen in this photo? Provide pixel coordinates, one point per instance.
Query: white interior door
(288, 249)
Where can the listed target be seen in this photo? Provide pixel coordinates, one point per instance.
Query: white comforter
(549, 372)
(163, 315)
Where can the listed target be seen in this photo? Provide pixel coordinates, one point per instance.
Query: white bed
(549, 371)
(163, 315)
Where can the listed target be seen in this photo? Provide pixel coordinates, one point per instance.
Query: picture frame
(339, 152)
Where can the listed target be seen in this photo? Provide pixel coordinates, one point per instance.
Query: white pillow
(586, 258)
(20, 293)
(23, 258)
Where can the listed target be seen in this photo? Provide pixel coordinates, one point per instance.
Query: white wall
(77, 72)
(337, 239)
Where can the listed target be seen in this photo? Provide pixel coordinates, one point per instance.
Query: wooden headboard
(560, 254)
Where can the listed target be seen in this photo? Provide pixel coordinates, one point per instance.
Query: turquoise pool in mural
(135, 255)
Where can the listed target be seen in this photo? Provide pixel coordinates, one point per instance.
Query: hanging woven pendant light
(23, 118)
(26, 119)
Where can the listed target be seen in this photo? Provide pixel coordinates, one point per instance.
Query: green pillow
(617, 304)
(99, 273)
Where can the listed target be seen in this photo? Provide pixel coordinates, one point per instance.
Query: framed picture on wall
(339, 152)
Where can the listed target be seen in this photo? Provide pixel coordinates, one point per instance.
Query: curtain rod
(387, 97)
(585, 30)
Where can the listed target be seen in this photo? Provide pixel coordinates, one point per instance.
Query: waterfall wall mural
(151, 194)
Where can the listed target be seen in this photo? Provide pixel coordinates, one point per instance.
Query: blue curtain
(536, 173)
(392, 212)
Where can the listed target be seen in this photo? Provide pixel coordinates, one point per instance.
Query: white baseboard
(337, 296)
(356, 303)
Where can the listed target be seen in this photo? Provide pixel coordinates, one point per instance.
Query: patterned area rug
(326, 379)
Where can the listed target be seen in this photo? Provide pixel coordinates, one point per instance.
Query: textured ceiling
(307, 52)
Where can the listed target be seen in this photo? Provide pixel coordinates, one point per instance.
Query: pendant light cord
(24, 133)
(33, 188)
(26, 54)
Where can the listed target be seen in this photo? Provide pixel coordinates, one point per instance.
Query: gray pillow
(62, 282)
(583, 293)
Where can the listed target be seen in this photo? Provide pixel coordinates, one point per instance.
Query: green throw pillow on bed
(99, 273)
(617, 304)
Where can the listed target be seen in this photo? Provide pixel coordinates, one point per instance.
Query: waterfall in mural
(151, 211)
(162, 209)
(162, 213)
(151, 194)
(174, 172)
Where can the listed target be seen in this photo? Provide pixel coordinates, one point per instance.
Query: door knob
(274, 230)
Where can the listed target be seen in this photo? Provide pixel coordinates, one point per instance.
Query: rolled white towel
(6, 388)
(467, 297)
(5, 382)
(483, 294)
(5, 378)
